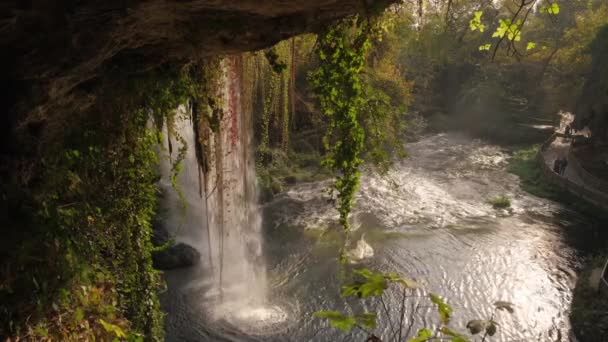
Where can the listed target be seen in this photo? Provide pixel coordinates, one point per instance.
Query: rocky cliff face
(53, 51)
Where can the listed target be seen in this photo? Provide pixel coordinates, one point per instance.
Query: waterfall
(218, 211)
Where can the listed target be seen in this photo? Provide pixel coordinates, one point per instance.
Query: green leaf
(530, 46)
(485, 47)
(475, 23)
(337, 320)
(551, 10)
(374, 285)
(554, 9)
(444, 310)
(364, 272)
(367, 319)
(456, 337)
(501, 30)
(460, 339)
(351, 290)
(506, 27)
(78, 315)
(423, 335)
(405, 282)
(515, 31)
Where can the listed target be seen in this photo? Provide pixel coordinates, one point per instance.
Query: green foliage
(338, 320)
(341, 50)
(506, 27)
(345, 323)
(475, 23)
(112, 328)
(500, 202)
(373, 286)
(444, 310)
(553, 9)
(423, 335)
(404, 282)
(91, 222)
(530, 45)
(455, 336)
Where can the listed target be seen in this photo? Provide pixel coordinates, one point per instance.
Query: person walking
(557, 165)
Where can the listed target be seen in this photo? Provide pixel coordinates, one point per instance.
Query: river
(427, 219)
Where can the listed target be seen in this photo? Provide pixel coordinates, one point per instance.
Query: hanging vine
(285, 111)
(341, 50)
(232, 66)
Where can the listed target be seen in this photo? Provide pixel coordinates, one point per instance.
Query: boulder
(176, 256)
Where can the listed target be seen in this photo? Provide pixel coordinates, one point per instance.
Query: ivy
(92, 225)
(341, 50)
(285, 111)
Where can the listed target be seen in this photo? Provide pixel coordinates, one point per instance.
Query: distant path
(558, 146)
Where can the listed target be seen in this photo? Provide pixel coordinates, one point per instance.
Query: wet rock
(176, 256)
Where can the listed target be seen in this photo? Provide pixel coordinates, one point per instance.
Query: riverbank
(589, 316)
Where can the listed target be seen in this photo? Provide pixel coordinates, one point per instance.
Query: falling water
(217, 211)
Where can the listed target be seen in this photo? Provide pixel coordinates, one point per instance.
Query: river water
(427, 219)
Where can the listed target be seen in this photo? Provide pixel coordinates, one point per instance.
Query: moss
(500, 202)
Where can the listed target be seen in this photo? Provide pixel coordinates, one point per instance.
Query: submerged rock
(176, 256)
